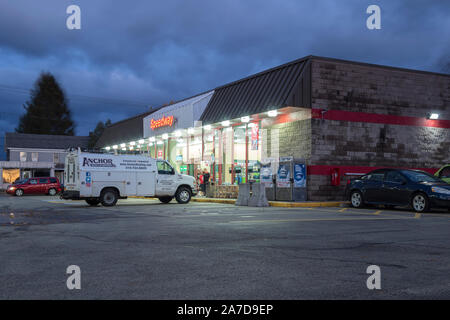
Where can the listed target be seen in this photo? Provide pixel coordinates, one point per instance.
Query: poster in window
(255, 136)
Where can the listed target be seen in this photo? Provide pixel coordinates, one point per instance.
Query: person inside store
(205, 181)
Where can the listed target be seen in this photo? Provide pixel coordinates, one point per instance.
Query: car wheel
(92, 202)
(165, 199)
(183, 195)
(19, 192)
(356, 199)
(52, 192)
(109, 197)
(420, 202)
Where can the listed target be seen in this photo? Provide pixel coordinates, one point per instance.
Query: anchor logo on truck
(98, 163)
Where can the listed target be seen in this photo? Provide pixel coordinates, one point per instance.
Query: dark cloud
(142, 53)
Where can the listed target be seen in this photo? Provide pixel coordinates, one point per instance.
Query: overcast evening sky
(129, 55)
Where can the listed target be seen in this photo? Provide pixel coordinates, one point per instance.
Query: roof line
(378, 65)
(153, 110)
(264, 72)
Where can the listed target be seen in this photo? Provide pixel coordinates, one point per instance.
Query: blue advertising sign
(266, 175)
(283, 176)
(299, 175)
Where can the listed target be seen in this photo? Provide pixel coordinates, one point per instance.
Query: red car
(39, 185)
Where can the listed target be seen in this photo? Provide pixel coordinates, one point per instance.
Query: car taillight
(348, 181)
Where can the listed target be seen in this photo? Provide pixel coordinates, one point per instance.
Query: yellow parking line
(378, 212)
(343, 210)
(417, 215)
(319, 219)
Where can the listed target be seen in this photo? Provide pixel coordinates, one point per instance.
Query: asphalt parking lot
(141, 249)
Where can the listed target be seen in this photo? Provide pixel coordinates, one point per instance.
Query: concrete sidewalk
(285, 204)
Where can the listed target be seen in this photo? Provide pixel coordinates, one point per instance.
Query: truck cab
(105, 178)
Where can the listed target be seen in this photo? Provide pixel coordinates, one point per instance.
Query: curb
(271, 203)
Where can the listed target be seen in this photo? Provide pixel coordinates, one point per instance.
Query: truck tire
(183, 195)
(92, 202)
(165, 199)
(109, 197)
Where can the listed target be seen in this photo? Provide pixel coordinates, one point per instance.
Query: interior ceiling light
(132, 143)
(124, 149)
(141, 141)
(115, 146)
(226, 123)
(108, 148)
(245, 119)
(159, 142)
(152, 139)
(177, 133)
(122, 145)
(165, 136)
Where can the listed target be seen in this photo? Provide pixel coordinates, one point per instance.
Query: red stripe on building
(325, 170)
(341, 115)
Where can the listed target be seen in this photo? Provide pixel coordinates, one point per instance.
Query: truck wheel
(92, 202)
(183, 195)
(165, 199)
(109, 197)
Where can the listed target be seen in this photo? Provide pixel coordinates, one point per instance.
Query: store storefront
(313, 123)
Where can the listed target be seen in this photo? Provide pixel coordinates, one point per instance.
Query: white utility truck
(105, 178)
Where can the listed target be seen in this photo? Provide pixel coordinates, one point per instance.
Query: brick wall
(372, 89)
(288, 139)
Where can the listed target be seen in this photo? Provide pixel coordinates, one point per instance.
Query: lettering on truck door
(165, 180)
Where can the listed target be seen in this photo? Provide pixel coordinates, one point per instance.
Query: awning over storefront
(286, 85)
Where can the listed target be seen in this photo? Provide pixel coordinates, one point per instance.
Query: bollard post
(243, 195)
(258, 197)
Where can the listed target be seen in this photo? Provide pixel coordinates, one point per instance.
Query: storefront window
(10, 175)
(254, 151)
(239, 155)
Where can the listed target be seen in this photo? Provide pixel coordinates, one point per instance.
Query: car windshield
(417, 176)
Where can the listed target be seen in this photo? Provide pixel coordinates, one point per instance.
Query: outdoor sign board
(299, 175)
(283, 176)
(163, 122)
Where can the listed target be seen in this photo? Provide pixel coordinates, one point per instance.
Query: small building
(341, 118)
(36, 155)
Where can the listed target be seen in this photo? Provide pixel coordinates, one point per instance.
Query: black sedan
(398, 187)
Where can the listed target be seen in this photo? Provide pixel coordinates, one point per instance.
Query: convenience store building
(340, 118)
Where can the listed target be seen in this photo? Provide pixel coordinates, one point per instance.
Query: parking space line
(343, 210)
(320, 219)
(377, 212)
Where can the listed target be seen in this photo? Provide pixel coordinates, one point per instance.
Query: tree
(47, 112)
(98, 131)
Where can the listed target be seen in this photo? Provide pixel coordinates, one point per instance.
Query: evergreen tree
(47, 112)
(98, 131)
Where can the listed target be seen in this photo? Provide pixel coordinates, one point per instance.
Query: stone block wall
(375, 89)
(288, 139)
